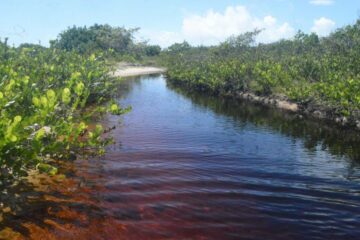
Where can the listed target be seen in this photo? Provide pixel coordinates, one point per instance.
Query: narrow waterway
(189, 166)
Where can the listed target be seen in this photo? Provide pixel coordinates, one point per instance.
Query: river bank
(308, 110)
(311, 110)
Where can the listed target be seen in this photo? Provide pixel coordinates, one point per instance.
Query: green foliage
(323, 71)
(152, 50)
(95, 38)
(43, 96)
(179, 47)
(117, 43)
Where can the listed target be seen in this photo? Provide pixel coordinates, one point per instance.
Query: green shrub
(43, 98)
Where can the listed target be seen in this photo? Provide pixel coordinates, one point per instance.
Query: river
(190, 166)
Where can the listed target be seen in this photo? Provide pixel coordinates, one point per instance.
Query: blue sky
(164, 21)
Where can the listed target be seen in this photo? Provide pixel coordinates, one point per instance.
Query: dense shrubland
(307, 69)
(45, 96)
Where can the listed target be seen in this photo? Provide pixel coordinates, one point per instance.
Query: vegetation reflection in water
(45, 205)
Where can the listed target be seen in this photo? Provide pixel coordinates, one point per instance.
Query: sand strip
(129, 71)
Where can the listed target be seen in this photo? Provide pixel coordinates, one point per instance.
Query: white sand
(128, 71)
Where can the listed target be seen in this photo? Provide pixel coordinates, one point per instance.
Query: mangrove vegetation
(319, 73)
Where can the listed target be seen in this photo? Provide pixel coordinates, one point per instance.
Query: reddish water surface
(187, 166)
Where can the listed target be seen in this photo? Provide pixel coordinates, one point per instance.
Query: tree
(96, 37)
(179, 47)
(243, 40)
(152, 50)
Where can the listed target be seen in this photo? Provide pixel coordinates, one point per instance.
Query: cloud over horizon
(322, 2)
(323, 26)
(214, 27)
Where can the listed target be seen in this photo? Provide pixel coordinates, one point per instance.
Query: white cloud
(163, 38)
(214, 27)
(323, 26)
(322, 2)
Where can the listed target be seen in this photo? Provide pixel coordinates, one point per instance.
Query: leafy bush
(43, 97)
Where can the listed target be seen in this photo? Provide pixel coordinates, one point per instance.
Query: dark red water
(187, 166)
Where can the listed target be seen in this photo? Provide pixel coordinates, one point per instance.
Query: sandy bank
(131, 70)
